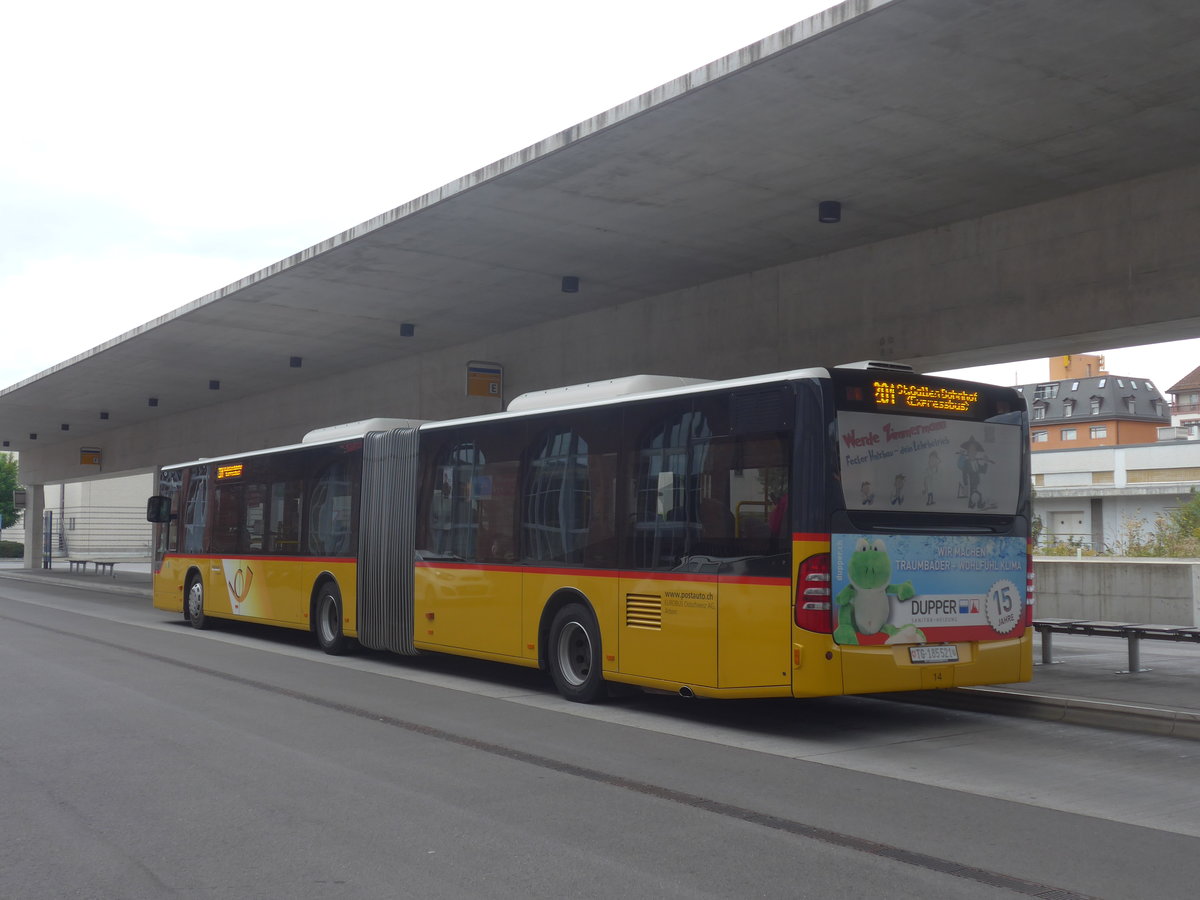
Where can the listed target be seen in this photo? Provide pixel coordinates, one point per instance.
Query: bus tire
(573, 654)
(193, 603)
(327, 622)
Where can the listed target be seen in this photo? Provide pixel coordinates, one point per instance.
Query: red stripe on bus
(704, 578)
(318, 559)
(818, 538)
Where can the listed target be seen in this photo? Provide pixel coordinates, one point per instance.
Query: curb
(100, 586)
(1070, 710)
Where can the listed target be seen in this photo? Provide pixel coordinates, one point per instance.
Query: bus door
(667, 606)
(710, 522)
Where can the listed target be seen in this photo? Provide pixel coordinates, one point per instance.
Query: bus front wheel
(574, 654)
(329, 620)
(194, 601)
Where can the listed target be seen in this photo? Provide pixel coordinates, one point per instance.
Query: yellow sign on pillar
(485, 379)
(89, 456)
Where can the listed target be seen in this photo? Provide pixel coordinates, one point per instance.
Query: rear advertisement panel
(920, 589)
(919, 464)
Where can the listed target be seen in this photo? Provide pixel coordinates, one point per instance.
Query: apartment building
(1082, 406)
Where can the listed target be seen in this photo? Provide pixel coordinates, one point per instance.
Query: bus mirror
(158, 509)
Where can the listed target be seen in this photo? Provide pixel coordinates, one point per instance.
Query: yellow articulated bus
(824, 531)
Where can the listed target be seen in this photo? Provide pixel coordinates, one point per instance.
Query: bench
(1133, 633)
(102, 563)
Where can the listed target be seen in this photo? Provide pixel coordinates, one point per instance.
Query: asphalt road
(139, 758)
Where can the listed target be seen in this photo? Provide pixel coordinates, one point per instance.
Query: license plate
(933, 653)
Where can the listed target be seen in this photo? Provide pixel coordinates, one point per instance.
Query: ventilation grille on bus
(643, 611)
(387, 540)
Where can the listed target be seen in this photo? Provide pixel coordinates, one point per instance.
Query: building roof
(1189, 382)
(1121, 397)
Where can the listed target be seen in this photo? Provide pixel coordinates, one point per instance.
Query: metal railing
(1133, 633)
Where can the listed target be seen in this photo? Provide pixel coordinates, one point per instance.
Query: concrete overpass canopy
(974, 146)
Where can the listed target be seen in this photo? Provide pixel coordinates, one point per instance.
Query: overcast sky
(155, 152)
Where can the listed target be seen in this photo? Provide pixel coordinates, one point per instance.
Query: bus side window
(254, 518)
(330, 511)
(568, 502)
(227, 516)
(286, 506)
(669, 459)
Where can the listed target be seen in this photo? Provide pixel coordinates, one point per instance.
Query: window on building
(1103, 382)
(1074, 385)
(1157, 406)
(1099, 431)
(1068, 408)
(1039, 411)
(1130, 404)
(1040, 437)
(1046, 391)
(1120, 383)
(1097, 402)
(1068, 434)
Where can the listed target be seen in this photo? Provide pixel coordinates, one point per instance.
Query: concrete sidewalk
(131, 579)
(1089, 684)
(1086, 685)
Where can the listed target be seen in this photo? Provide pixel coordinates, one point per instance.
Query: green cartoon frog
(863, 605)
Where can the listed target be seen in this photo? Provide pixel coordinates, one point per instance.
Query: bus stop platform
(129, 578)
(1087, 683)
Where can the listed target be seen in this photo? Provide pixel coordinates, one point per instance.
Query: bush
(11, 550)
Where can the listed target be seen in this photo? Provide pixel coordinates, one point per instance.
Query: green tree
(1186, 519)
(8, 484)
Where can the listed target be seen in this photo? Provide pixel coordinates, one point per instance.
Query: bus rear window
(928, 464)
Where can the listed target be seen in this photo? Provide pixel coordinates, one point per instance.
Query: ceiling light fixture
(829, 212)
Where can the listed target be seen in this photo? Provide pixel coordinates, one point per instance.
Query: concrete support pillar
(35, 506)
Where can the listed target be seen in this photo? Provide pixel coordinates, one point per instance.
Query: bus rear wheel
(328, 620)
(573, 655)
(194, 603)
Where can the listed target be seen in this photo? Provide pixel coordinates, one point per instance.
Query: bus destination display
(906, 395)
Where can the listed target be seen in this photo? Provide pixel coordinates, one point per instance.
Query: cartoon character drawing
(931, 472)
(898, 491)
(868, 495)
(863, 606)
(973, 462)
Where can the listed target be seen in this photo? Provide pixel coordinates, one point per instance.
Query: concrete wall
(102, 518)
(1153, 591)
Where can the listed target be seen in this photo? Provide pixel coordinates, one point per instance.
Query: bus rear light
(814, 595)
